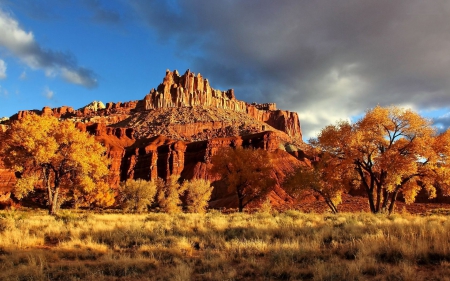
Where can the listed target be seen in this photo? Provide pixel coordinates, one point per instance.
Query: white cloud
(23, 76)
(23, 45)
(48, 93)
(2, 69)
(78, 77)
(442, 122)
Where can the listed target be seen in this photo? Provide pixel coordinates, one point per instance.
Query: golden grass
(215, 246)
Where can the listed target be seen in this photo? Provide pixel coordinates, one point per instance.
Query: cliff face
(176, 129)
(190, 90)
(166, 110)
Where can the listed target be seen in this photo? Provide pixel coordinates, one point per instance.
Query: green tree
(137, 195)
(198, 194)
(53, 154)
(390, 151)
(245, 171)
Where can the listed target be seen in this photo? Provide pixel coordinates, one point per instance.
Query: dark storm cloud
(325, 59)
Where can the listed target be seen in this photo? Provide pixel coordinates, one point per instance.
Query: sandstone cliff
(177, 128)
(190, 90)
(187, 108)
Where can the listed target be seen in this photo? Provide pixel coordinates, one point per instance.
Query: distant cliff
(176, 129)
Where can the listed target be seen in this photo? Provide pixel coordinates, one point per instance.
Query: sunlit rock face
(192, 90)
(177, 128)
(189, 90)
(183, 107)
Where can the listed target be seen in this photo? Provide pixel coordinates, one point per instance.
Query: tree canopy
(390, 151)
(245, 171)
(325, 176)
(57, 156)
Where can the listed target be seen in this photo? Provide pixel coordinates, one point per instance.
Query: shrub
(169, 195)
(198, 194)
(137, 195)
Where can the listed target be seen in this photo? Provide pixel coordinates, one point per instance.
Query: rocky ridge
(180, 102)
(177, 127)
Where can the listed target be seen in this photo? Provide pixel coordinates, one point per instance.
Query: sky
(326, 60)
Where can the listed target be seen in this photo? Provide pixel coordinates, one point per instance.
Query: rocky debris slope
(196, 123)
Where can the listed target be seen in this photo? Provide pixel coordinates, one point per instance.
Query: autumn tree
(198, 194)
(390, 151)
(325, 177)
(55, 155)
(137, 195)
(246, 172)
(102, 196)
(169, 193)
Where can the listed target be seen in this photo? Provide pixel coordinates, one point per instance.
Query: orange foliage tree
(326, 176)
(390, 151)
(45, 151)
(244, 171)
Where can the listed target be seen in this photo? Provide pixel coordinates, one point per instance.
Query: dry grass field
(215, 246)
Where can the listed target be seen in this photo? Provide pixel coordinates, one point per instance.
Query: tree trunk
(50, 196)
(330, 204)
(369, 190)
(393, 198)
(371, 203)
(54, 207)
(378, 197)
(240, 200)
(241, 205)
(46, 173)
(385, 200)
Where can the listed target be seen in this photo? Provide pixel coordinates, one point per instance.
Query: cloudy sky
(327, 60)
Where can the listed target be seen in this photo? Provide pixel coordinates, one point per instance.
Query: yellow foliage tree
(198, 194)
(169, 193)
(102, 196)
(45, 151)
(391, 151)
(136, 195)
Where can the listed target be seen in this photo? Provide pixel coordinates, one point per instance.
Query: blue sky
(327, 60)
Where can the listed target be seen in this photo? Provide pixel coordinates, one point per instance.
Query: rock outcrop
(190, 90)
(167, 110)
(94, 106)
(177, 128)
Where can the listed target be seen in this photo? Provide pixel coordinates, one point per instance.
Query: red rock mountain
(177, 127)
